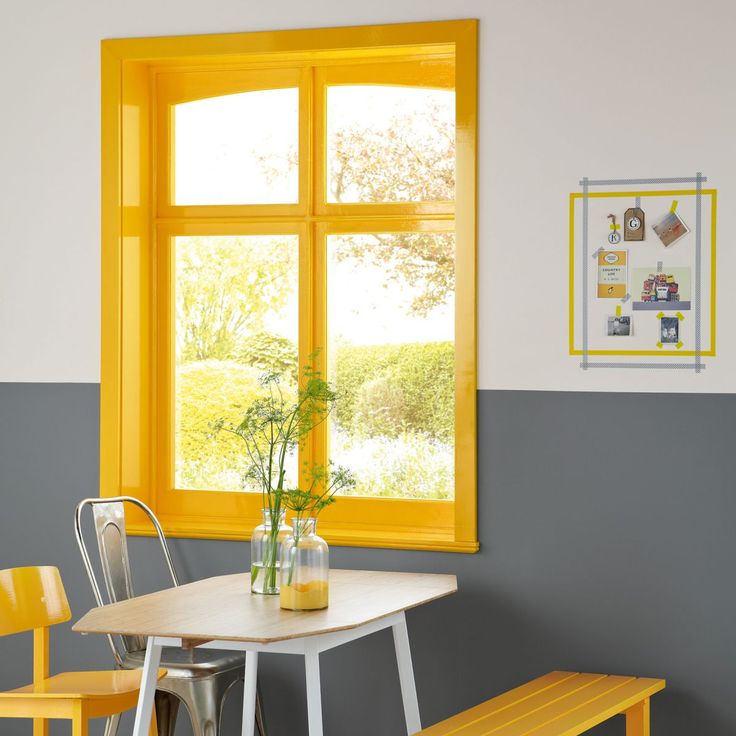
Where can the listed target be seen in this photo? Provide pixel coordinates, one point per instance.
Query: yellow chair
(33, 598)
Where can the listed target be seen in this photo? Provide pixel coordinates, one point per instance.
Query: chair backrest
(112, 545)
(31, 598)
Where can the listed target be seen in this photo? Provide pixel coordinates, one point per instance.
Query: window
(268, 195)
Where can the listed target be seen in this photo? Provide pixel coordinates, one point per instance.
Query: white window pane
(390, 144)
(237, 149)
(392, 352)
(236, 319)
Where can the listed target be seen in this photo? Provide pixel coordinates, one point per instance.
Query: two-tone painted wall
(606, 501)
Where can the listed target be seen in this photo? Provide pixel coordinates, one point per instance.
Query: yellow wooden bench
(558, 704)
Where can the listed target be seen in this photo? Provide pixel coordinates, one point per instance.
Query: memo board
(636, 297)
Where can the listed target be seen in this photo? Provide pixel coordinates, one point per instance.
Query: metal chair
(199, 678)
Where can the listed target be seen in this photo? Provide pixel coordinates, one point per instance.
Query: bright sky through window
(237, 149)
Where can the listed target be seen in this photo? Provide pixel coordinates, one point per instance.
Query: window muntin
(392, 145)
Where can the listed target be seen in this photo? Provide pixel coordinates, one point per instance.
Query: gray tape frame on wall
(698, 366)
(584, 364)
(630, 182)
(698, 269)
(677, 366)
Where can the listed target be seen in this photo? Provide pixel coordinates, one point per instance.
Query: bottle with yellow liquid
(305, 567)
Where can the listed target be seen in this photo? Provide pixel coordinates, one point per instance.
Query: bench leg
(637, 720)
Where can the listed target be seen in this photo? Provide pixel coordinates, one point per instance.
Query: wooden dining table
(222, 613)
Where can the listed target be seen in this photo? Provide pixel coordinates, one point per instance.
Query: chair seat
(83, 685)
(190, 663)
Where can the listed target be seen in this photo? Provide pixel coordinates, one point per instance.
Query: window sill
(336, 535)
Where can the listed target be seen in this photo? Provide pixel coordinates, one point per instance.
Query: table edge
(79, 628)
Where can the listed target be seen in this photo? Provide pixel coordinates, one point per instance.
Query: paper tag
(634, 224)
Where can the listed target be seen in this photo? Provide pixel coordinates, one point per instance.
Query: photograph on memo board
(673, 280)
(653, 289)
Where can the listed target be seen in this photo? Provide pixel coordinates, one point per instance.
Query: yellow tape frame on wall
(679, 193)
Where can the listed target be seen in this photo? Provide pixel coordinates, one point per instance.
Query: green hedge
(395, 413)
(207, 391)
(391, 389)
(390, 393)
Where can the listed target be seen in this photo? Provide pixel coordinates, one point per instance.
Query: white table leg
(147, 692)
(406, 677)
(249, 693)
(314, 692)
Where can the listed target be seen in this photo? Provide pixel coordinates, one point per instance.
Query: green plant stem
(294, 549)
(270, 561)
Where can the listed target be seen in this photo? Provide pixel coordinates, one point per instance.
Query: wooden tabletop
(224, 608)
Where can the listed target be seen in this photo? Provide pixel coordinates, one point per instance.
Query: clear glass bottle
(305, 567)
(265, 553)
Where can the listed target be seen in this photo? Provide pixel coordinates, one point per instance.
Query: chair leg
(40, 727)
(637, 720)
(80, 726)
(167, 709)
(112, 725)
(260, 717)
(207, 720)
(153, 729)
(202, 701)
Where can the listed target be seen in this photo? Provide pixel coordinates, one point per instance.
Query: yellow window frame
(141, 78)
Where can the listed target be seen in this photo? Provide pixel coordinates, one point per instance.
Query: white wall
(552, 106)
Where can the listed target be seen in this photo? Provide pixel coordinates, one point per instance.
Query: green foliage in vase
(322, 483)
(273, 427)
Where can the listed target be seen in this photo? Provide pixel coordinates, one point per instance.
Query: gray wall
(606, 523)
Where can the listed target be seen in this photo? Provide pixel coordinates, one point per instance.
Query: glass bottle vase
(305, 567)
(265, 553)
